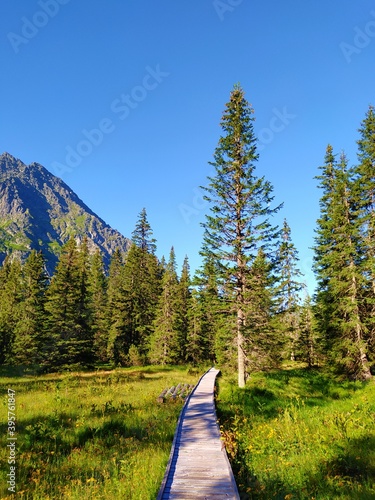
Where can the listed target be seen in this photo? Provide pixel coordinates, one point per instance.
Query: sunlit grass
(98, 435)
(299, 434)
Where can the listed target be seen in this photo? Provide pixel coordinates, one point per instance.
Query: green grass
(98, 435)
(300, 434)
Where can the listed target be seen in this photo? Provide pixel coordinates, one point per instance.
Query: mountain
(39, 211)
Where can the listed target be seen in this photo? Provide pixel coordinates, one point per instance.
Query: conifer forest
(245, 308)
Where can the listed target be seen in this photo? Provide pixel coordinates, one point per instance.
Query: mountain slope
(39, 211)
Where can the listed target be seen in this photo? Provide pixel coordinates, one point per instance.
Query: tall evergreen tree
(264, 346)
(183, 305)
(164, 341)
(29, 331)
(289, 287)
(142, 234)
(97, 291)
(307, 346)
(240, 205)
(338, 268)
(141, 288)
(204, 316)
(69, 339)
(364, 188)
(10, 299)
(116, 310)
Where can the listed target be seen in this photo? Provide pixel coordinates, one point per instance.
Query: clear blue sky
(154, 76)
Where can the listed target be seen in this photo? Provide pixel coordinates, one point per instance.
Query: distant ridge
(39, 211)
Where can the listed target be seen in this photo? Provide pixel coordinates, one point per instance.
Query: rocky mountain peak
(39, 211)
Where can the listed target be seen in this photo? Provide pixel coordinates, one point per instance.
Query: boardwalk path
(198, 467)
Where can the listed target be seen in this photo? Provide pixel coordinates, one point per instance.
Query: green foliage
(238, 224)
(164, 341)
(339, 258)
(364, 191)
(142, 234)
(29, 330)
(69, 337)
(206, 316)
(133, 292)
(97, 290)
(299, 434)
(94, 434)
(10, 299)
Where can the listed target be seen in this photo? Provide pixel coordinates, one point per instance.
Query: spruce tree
(183, 305)
(69, 340)
(307, 345)
(364, 189)
(29, 331)
(210, 336)
(289, 287)
(10, 300)
(142, 234)
(196, 340)
(116, 310)
(136, 293)
(97, 290)
(240, 205)
(264, 346)
(164, 341)
(141, 290)
(338, 268)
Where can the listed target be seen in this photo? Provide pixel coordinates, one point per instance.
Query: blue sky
(123, 100)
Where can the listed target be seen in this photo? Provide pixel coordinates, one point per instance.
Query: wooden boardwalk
(198, 467)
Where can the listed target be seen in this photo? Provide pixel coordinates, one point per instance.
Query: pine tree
(210, 335)
(69, 339)
(142, 234)
(183, 305)
(264, 346)
(240, 209)
(116, 310)
(164, 341)
(196, 340)
(289, 287)
(29, 330)
(10, 300)
(307, 345)
(364, 188)
(97, 290)
(136, 294)
(338, 268)
(141, 290)
(85, 311)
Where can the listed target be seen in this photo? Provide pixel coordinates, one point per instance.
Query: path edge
(176, 434)
(232, 478)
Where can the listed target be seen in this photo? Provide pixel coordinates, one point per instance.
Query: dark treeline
(244, 308)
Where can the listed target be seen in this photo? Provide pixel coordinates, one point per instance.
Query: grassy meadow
(299, 434)
(97, 435)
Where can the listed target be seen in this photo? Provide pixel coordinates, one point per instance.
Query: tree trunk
(365, 368)
(241, 354)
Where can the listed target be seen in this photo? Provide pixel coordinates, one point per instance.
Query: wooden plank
(198, 466)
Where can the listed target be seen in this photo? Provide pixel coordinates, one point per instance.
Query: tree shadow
(311, 384)
(350, 474)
